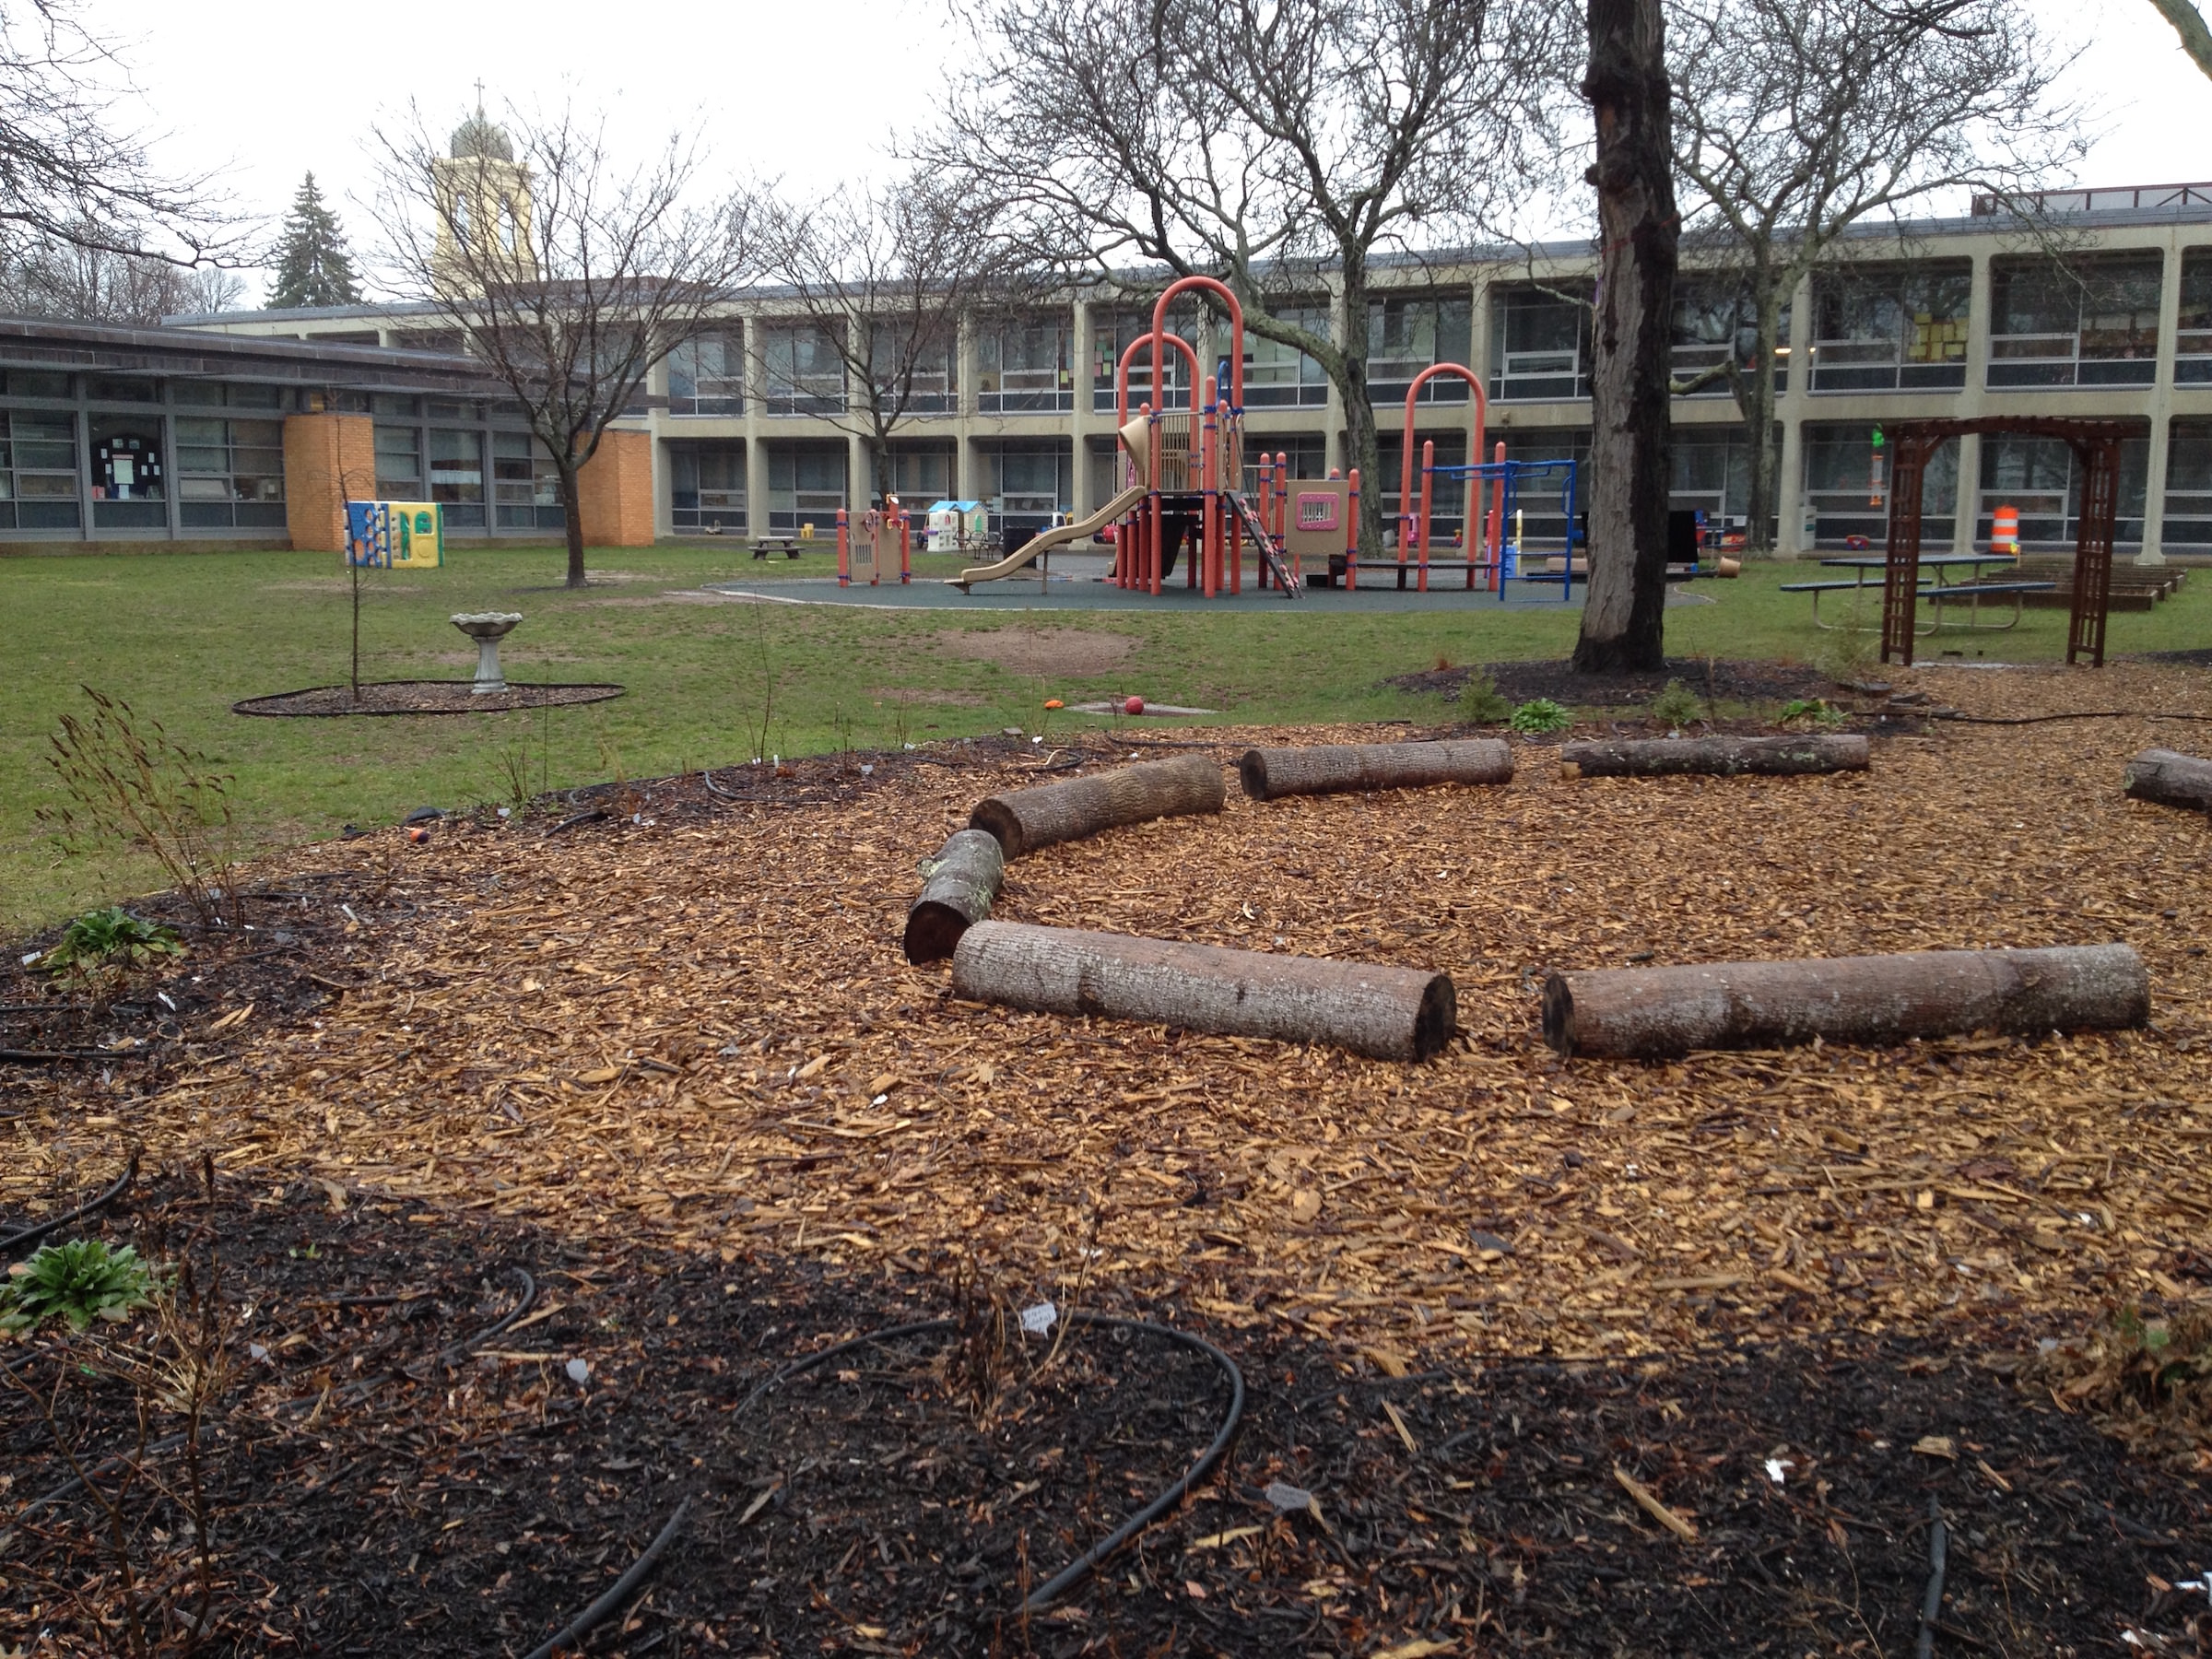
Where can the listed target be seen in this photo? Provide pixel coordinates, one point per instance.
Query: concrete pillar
(328, 460)
(966, 471)
(613, 492)
(1971, 403)
(2161, 410)
(861, 484)
(1969, 493)
(1791, 409)
(1084, 420)
(755, 445)
(1340, 330)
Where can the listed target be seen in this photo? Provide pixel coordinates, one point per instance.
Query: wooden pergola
(2095, 443)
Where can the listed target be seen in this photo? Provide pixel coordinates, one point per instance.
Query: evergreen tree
(312, 266)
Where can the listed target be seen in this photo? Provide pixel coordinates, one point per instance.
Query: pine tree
(312, 266)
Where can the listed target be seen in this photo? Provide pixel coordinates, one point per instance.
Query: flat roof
(199, 353)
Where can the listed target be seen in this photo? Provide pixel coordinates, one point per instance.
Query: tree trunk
(1630, 474)
(958, 888)
(1657, 1012)
(1389, 1013)
(2170, 779)
(1722, 756)
(1332, 769)
(1030, 818)
(571, 516)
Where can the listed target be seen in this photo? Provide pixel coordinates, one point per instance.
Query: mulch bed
(676, 1040)
(1716, 681)
(418, 697)
(373, 1491)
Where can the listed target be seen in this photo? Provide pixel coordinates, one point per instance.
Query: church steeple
(483, 222)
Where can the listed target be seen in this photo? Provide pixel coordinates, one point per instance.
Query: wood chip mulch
(692, 1019)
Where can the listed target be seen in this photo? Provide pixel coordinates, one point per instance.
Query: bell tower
(484, 219)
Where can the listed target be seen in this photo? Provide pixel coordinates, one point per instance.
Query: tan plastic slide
(1046, 541)
(1133, 444)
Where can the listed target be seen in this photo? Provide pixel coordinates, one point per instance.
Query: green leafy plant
(1540, 714)
(1480, 702)
(109, 941)
(79, 1281)
(1810, 712)
(128, 784)
(1675, 706)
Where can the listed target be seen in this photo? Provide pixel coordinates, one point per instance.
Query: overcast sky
(258, 91)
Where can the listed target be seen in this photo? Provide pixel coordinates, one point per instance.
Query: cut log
(1030, 818)
(1655, 1013)
(2170, 779)
(958, 887)
(1331, 768)
(1390, 1013)
(1723, 757)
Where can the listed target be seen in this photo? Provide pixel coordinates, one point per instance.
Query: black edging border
(244, 705)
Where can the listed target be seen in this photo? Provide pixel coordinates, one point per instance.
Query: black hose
(575, 1628)
(31, 1235)
(1953, 714)
(522, 1307)
(1075, 1571)
(1931, 1603)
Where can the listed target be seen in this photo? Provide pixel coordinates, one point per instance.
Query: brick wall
(328, 459)
(615, 492)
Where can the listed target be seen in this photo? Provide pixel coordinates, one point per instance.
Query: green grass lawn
(184, 635)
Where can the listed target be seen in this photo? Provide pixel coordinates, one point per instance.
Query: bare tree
(1799, 123)
(1276, 145)
(68, 173)
(51, 276)
(2189, 23)
(1623, 619)
(568, 273)
(885, 273)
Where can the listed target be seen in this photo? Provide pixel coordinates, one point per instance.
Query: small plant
(1846, 652)
(1480, 702)
(1810, 712)
(514, 774)
(128, 784)
(79, 1281)
(111, 941)
(1540, 714)
(1675, 706)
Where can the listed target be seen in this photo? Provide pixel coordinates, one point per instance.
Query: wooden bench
(1335, 575)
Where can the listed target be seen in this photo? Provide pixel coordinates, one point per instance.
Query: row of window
(2090, 322)
(1846, 480)
(524, 485)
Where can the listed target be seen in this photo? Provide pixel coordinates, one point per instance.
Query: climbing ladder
(1271, 549)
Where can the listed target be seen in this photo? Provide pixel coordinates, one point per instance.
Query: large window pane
(456, 465)
(1539, 345)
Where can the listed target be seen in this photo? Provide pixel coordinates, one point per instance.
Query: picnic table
(1938, 591)
(789, 545)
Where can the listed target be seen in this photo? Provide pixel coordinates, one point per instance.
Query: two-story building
(752, 429)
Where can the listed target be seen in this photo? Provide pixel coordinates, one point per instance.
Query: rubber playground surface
(1080, 585)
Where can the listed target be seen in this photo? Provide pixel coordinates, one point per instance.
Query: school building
(254, 426)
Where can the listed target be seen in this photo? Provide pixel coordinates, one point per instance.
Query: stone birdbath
(487, 628)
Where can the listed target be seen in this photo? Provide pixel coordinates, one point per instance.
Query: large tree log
(1655, 757)
(1653, 1013)
(1030, 818)
(1390, 1013)
(1331, 769)
(2170, 779)
(958, 887)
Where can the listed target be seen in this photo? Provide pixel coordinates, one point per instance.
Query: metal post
(1901, 568)
(844, 553)
(1428, 508)
(2093, 549)
(1351, 536)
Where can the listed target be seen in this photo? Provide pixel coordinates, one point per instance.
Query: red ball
(1135, 705)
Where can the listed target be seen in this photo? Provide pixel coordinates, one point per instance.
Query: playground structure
(2096, 444)
(1183, 471)
(884, 535)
